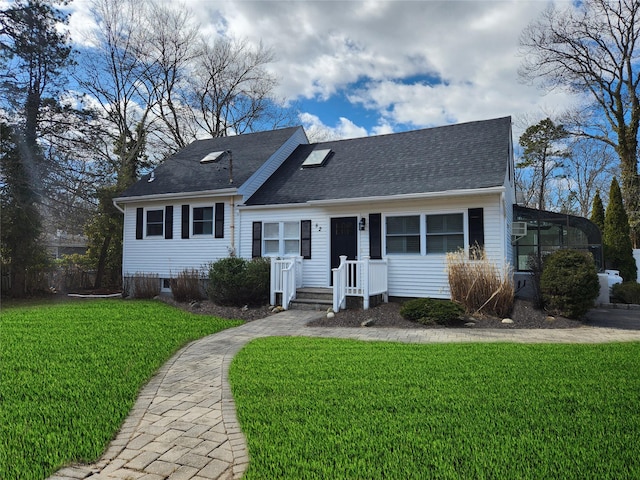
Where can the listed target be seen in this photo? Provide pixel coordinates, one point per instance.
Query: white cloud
(384, 55)
(319, 132)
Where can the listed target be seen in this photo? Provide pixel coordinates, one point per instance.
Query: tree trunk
(102, 261)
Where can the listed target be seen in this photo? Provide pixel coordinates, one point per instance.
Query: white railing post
(365, 283)
(298, 261)
(285, 289)
(343, 281)
(273, 281)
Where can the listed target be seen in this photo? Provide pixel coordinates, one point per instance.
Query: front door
(344, 239)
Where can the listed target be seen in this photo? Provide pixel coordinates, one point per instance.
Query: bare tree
(232, 90)
(587, 169)
(592, 47)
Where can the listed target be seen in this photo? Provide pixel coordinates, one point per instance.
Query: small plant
(144, 285)
(627, 292)
(569, 282)
(236, 281)
(429, 311)
(478, 284)
(186, 286)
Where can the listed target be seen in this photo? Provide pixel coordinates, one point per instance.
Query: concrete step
(311, 304)
(315, 293)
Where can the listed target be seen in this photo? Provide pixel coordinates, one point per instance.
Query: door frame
(352, 220)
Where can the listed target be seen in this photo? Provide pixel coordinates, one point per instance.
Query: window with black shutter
(168, 222)
(256, 244)
(375, 236)
(219, 229)
(305, 239)
(476, 227)
(139, 223)
(185, 221)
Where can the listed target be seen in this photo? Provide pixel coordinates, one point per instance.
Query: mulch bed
(387, 315)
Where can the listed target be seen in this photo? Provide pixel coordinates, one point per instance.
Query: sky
(358, 68)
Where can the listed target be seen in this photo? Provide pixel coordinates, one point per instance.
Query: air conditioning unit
(518, 230)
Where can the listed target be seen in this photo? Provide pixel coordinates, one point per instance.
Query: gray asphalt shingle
(454, 157)
(183, 172)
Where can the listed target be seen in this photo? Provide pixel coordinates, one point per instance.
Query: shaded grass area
(72, 371)
(324, 408)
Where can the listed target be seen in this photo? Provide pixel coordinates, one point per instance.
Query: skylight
(316, 158)
(211, 157)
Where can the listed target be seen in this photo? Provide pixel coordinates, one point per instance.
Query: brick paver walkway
(184, 426)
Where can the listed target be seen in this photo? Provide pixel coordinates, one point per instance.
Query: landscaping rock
(507, 320)
(368, 322)
(550, 319)
(330, 314)
(470, 324)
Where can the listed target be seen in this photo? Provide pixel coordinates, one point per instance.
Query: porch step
(312, 299)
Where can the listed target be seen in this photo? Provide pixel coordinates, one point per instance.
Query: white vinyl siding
(168, 257)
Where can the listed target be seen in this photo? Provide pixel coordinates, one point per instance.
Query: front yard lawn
(325, 408)
(70, 373)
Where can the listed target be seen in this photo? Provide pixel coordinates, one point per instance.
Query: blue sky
(359, 68)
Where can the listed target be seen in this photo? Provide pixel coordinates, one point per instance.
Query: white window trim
(213, 221)
(145, 223)
(423, 231)
(281, 239)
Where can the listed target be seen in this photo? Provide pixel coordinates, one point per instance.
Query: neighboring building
(403, 200)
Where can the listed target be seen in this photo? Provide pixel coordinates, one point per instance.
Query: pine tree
(597, 212)
(617, 236)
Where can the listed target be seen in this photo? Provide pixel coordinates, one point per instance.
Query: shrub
(478, 284)
(430, 311)
(144, 285)
(569, 282)
(627, 292)
(236, 281)
(186, 286)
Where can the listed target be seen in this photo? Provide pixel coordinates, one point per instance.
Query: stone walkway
(184, 426)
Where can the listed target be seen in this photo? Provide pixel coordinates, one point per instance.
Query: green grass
(320, 408)
(71, 372)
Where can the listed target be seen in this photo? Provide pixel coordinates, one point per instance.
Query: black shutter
(476, 227)
(375, 236)
(185, 221)
(305, 239)
(256, 246)
(220, 220)
(139, 223)
(168, 222)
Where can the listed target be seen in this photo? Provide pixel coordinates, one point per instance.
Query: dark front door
(344, 239)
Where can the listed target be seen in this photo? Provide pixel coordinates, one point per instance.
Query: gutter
(167, 196)
(115, 204)
(384, 198)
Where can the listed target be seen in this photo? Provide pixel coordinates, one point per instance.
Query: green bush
(430, 311)
(569, 282)
(237, 282)
(627, 292)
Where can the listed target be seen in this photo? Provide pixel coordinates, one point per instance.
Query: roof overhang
(225, 192)
(388, 198)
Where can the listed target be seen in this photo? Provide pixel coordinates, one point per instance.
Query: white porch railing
(286, 276)
(359, 278)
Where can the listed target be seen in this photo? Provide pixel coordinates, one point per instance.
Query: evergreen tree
(597, 212)
(544, 153)
(617, 240)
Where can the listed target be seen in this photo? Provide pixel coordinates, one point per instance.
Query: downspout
(232, 226)
(115, 204)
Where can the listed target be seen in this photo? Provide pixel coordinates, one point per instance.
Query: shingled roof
(471, 155)
(183, 172)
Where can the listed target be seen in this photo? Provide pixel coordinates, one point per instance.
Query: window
(445, 233)
(403, 234)
(203, 220)
(281, 238)
(155, 222)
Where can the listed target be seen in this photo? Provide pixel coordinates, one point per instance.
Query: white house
(399, 201)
